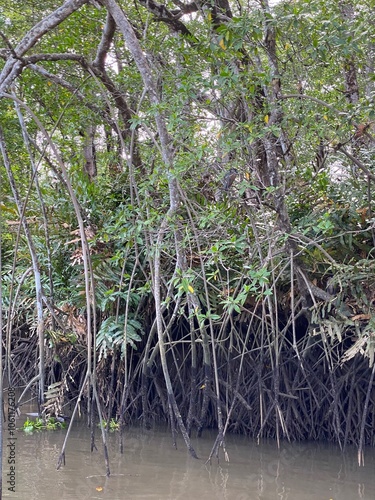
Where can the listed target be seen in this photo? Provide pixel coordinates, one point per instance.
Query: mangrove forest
(187, 231)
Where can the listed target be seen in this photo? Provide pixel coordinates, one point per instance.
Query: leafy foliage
(38, 424)
(113, 334)
(281, 97)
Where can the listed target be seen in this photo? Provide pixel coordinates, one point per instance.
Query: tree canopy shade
(186, 212)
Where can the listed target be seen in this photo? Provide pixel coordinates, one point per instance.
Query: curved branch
(56, 17)
(100, 73)
(105, 42)
(314, 99)
(161, 13)
(165, 141)
(359, 164)
(63, 83)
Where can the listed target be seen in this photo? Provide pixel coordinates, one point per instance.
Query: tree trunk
(89, 152)
(174, 199)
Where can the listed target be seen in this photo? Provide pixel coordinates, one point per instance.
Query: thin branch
(75, 91)
(314, 99)
(357, 162)
(105, 42)
(33, 36)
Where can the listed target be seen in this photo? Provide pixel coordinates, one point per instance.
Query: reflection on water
(152, 469)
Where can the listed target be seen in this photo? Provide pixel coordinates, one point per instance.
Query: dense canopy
(187, 225)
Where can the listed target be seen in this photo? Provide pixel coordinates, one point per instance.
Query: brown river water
(151, 468)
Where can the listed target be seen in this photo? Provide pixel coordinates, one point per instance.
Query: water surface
(151, 468)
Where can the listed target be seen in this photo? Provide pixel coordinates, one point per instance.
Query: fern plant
(114, 333)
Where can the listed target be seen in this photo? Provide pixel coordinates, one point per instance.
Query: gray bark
(14, 64)
(350, 70)
(35, 263)
(89, 152)
(165, 145)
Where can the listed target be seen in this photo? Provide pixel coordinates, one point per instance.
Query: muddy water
(152, 469)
